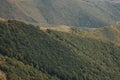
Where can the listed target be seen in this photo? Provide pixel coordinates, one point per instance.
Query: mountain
(80, 13)
(26, 50)
(10, 10)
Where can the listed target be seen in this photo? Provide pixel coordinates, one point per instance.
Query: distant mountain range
(79, 13)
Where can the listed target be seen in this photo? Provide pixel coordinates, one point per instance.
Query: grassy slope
(10, 11)
(73, 13)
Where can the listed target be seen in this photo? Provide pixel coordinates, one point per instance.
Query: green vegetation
(16, 70)
(109, 33)
(56, 55)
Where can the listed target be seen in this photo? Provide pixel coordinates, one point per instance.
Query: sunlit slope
(62, 12)
(109, 33)
(10, 11)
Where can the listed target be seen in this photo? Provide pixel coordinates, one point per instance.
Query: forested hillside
(53, 55)
(12, 69)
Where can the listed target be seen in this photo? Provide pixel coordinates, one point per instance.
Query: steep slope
(10, 11)
(84, 13)
(64, 55)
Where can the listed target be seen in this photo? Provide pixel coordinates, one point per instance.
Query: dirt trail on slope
(61, 28)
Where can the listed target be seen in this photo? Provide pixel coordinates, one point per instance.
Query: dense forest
(28, 53)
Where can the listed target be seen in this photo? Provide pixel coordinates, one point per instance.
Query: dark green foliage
(64, 55)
